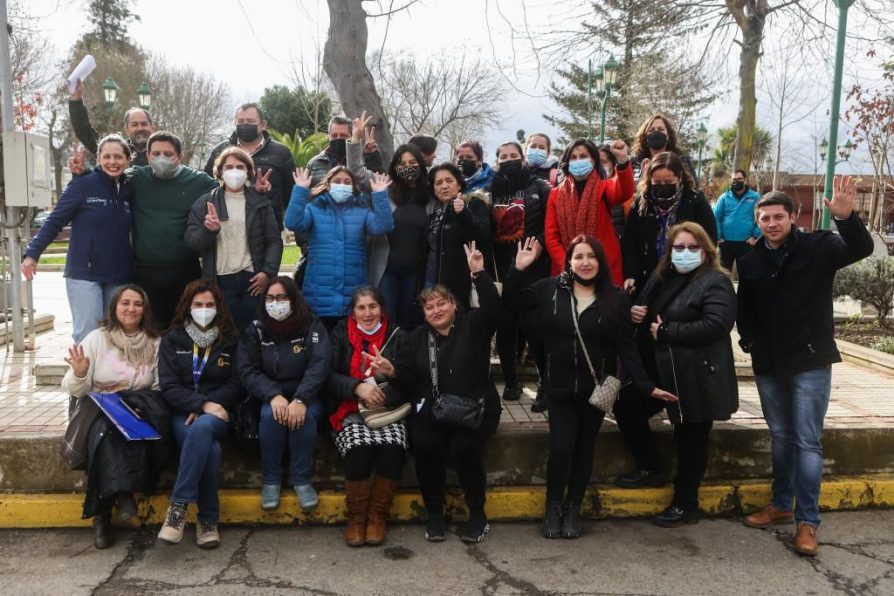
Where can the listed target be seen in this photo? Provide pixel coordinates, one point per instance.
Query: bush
(885, 344)
(871, 281)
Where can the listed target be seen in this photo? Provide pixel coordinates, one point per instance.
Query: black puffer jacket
(340, 385)
(261, 229)
(271, 365)
(694, 354)
(219, 382)
(272, 156)
(638, 242)
(608, 336)
(785, 313)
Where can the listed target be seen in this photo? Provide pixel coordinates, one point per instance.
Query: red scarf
(579, 216)
(357, 339)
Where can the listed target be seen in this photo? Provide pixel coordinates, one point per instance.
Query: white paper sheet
(81, 72)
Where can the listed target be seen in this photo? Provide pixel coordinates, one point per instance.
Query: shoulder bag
(605, 392)
(449, 409)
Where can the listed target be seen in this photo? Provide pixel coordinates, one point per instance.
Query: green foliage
(722, 160)
(871, 281)
(298, 109)
(884, 344)
(109, 19)
(303, 149)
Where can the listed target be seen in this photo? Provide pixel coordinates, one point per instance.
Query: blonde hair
(712, 259)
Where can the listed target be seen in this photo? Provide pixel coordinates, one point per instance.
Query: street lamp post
(609, 76)
(843, 6)
(844, 152)
(144, 96)
(701, 137)
(110, 90)
(590, 98)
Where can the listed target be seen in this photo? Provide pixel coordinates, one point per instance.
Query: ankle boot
(572, 527)
(552, 520)
(356, 503)
(102, 530)
(380, 500)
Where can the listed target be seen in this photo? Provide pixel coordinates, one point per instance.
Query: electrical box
(27, 170)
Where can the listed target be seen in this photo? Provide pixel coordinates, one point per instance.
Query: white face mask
(203, 316)
(235, 178)
(278, 311)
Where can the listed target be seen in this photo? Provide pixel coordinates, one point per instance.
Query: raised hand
(380, 182)
(77, 163)
(301, 177)
(528, 252)
(459, 204)
(262, 182)
(619, 149)
(474, 256)
(79, 363)
(29, 268)
(78, 92)
(258, 283)
(360, 125)
(370, 145)
(844, 197)
(378, 364)
(212, 223)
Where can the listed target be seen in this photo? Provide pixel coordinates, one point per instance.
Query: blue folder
(124, 418)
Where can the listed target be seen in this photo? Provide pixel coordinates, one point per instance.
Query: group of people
(605, 264)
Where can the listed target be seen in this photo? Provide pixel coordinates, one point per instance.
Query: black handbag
(449, 409)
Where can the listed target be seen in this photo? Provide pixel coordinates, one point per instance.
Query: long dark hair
(401, 192)
(300, 316)
(147, 324)
(223, 320)
(641, 148)
(605, 286)
(591, 148)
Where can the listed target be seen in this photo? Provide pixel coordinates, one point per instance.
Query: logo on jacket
(315, 337)
(222, 362)
(297, 349)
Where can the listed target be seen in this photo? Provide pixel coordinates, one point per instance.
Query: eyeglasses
(270, 298)
(689, 247)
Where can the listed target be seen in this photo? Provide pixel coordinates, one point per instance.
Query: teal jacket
(735, 216)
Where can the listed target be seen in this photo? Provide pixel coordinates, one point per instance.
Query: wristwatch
(298, 399)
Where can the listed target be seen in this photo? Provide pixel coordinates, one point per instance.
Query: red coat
(611, 192)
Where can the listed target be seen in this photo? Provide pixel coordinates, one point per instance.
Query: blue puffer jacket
(336, 246)
(480, 179)
(735, 216)
(99, 212)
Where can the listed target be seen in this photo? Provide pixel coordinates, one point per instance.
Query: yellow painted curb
(61, 510)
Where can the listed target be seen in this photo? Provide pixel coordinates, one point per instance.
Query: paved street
(614, 557)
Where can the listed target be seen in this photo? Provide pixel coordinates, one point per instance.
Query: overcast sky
(252, 44)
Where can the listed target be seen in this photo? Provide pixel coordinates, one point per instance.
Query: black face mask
(511, 168)
(247, 132)
(656, 140)
(582, 281)
(664, 191)
(338, 148)
(467, 166)
(738, 185)
(407, 173)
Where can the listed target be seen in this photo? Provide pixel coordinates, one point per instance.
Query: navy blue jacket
(219, 382)
(99, 212)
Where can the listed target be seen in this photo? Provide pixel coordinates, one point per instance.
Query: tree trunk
(750, 21)
(344, 60)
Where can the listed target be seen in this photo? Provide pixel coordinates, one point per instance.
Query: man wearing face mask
(251, 135)
(336, 153)
(137, 127)
(470, 161)
(734, 213)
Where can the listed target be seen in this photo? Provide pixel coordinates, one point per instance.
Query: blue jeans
(199, 473)
(89, 302)
(272, 437)
(794, 408)
(398, 288)
(243, 306)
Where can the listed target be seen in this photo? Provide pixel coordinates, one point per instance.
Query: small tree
(871, 281)
(303, 149)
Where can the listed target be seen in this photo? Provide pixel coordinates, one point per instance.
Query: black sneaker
(475, 530)
(539, 404)
(434, 529)
(552, 521)
(572, 526)
(675, 516)
(642, 479)
(512, 393)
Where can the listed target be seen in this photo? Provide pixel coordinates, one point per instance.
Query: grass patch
(52, 261)
(290, 256)
(58, 245)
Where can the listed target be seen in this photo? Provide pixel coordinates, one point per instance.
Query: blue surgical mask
(340, 192)
(686, 261)
(580, 167)
(536, 157)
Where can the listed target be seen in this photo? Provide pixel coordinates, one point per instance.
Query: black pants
(386, 460)
(573, 428)
(632, 412)
(507, 346)
(437, 447)
(731, 251)
(164, 286)
(691, 441)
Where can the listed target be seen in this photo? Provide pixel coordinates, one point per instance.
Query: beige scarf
(140, 350)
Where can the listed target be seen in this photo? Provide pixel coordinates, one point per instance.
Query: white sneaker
(172, 530)
(206, 535)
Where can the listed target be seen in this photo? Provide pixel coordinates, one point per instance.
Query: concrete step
(42, 323)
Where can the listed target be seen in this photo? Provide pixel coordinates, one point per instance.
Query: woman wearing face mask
(457, 219)
(376, 452)
(99, 256)
(657, 135)
(684, 315)
(337, 218)
(469, 158)
(539, 159)
(196, 371)
(584, 292)
(234, 229)
(581, 204)
(667, 196)
(518, 210)
(284, 360)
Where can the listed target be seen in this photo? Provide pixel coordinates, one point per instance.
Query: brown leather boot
(379, 506)
(768, 516)
(805, 540)
(356, 503)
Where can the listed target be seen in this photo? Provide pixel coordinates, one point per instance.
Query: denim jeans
(89, 301)
(398, 288)
(794, 407)
(273, 436)
(243, 306)
(199, 473)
